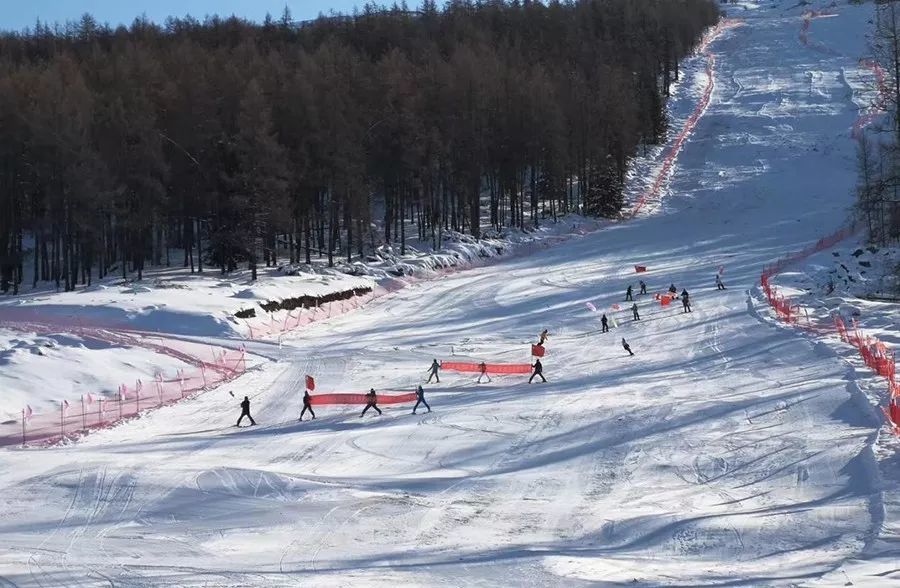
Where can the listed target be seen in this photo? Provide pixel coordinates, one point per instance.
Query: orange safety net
(492, 368)
(352, 398)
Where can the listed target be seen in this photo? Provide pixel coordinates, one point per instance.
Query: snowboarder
(420, 399)
(628, 293)
(634, 311)
(245, 412)
(371, 402)
(685, 301)
(307, 405)
(643, 287)
(435, 366)
(604, 323)
(673, 289)
(719, 284)
(538, 371)
(626, 346)
(544, 335)
(483, 368)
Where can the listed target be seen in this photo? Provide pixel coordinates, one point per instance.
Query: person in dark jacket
(604, 324)
(628, 293)
(307, 405)
(673, 289)
(435, 366)
(420, 399)
(245, 412)
(643, 287)
(538, 371)
(686, 301)
(371, 402)
(626, 346)
(719, 284)
(483, 368)
(634, 311)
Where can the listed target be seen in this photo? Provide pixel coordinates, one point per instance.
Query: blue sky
(18, 14)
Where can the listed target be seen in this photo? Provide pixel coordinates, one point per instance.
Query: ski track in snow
(728, 451)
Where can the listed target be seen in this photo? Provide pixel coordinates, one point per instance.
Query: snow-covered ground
(730, 450)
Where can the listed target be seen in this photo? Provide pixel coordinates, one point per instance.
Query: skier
(719, 284)
(420, 399)
(643, 287)
(628, 293)
(544, 335)
(673, 289)
(307, 405)
(634, 311)
(435, 366)
(685, 301)
(604, 324)
(483, 368)
(245, 412)
(626, 346)
(371, 402)
(538, 371)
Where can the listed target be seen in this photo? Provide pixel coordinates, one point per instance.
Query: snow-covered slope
(728, 451)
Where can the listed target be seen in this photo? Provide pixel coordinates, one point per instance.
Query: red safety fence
(353, 398)
(669, 160)
(77, 417)
(878, 107)
(492, 368)
(875, 354)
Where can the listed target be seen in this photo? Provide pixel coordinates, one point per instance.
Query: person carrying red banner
(371, 402)
(435, 366)
(307, 405)
(538, 371)
(604, 324)
(420, 399)
(686, 301)
(673, 289)
(483, 367)
(626, 346)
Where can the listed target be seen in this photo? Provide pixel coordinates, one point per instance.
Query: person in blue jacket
(420, 399)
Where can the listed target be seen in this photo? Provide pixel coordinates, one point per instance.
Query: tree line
(226, 142)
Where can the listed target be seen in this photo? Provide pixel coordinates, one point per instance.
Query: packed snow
(730, 450)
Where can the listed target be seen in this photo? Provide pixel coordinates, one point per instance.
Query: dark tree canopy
(231, 142)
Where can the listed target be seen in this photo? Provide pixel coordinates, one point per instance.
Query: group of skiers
(538, 368)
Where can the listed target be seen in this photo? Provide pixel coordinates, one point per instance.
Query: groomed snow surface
(730, 450)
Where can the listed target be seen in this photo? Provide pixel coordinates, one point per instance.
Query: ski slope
(730, 450)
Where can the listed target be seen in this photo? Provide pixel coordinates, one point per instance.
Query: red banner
(537, 351)
(492, 368)
(351, 398)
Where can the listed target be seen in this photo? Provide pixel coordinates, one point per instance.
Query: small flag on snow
(537, 350)
(616, 307)
(721, 269)
(65, 406)
(640, 268)
(310, 383)
(28, 412)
